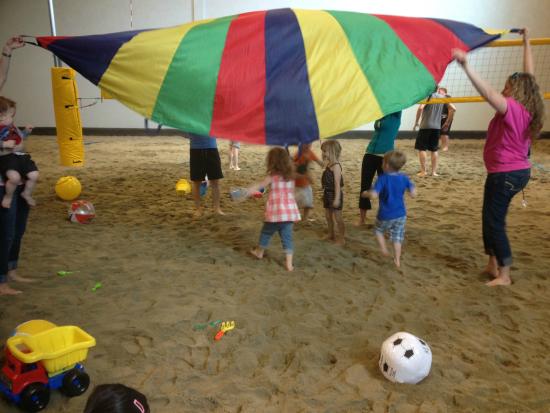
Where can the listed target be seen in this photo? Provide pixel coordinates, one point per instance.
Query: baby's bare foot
(30, 200)
(219, 212)
(6, 201)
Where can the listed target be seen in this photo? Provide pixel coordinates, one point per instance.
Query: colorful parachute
(272, 77)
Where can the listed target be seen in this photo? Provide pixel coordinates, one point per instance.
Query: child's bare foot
(257, 253)
(360, 223)
(30, 200)
(5, 289)
(435, 174)
(445, 149)
(288, 262)
(329, 238)
(397, 262)
(237, 168)
(500, 280)
(219, 211)
(340, 241)
(12, 276)
(198, 213)
(6, 201)
(421, 174)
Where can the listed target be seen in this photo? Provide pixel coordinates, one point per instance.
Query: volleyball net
(495, 63)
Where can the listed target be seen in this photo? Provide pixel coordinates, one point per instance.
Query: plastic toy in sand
(41, 357)
(183, 186)
(82, 212)
(239, 194)
(202, 326)
(226, 326)
(63, 273)
(204, 188)
(405, 358)
(68, 188)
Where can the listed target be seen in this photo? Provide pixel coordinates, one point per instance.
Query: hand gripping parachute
(272, 77)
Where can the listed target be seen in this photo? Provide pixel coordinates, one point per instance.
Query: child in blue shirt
(392, 214)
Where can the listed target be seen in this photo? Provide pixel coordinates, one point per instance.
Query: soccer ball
(82, 212)
(405, 358)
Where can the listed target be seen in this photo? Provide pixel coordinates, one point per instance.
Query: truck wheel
(75, 382)
(35, 397)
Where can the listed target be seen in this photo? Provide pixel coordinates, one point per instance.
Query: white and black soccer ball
(405, 358)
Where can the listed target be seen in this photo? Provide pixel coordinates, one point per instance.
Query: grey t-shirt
(431, 115)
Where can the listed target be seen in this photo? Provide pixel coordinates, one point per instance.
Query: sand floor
(306, 341)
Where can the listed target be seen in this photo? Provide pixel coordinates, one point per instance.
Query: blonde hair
(524, 89)
(279, 163)
(333, 150)
(395, 160)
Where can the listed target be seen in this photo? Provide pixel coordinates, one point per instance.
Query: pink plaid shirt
(281, 205)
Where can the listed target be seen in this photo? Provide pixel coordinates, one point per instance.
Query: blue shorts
(396, 228)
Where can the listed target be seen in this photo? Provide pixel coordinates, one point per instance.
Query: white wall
(29, 80)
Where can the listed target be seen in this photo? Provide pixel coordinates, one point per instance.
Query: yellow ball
(68, 188)
(183, 186)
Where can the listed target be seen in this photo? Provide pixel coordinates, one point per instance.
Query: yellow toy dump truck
(42, 356)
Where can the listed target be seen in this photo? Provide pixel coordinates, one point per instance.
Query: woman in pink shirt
(519, 119)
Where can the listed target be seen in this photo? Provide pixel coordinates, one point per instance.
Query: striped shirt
(281, 205)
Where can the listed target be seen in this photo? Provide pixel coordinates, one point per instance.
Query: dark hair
(395, 160)
(116, 398)
(6, 104)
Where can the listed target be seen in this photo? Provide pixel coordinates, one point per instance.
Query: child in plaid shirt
(281, 210)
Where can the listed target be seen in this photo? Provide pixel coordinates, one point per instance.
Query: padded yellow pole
(67, 117)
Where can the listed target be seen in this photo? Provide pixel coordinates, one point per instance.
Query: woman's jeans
(13, 222)
(500, 188)
(285, 232)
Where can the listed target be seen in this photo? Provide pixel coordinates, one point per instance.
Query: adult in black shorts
(205, 163)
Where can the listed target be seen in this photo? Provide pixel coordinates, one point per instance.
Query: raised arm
(528, 65)
(12, 43)
(494, 98)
